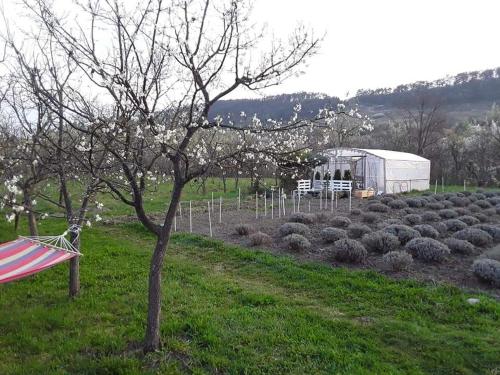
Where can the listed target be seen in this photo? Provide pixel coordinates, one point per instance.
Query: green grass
(156, 199)
(228, 310)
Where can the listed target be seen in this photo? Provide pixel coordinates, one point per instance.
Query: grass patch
(236, 311)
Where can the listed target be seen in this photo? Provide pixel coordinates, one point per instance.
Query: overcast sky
(376, 43)
(383, 43)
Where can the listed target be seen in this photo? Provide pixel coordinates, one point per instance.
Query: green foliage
(347, 175)
(337, 175)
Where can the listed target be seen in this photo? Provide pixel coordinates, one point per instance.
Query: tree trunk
(16, 222)
(236, 182)
(152, 340)
(31, 215)
(74, 268)
(224, 184)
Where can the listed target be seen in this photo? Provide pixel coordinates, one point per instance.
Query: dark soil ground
(456, 270)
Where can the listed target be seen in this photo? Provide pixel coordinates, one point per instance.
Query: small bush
(403, 232)
(340, 221)
(356, 211)
(475, 236)
(426, 230)
(296, 242)
(412, 219)
(479, 196)
(462, 211)
(474, 208)
(454, 225)
(447, 214)
(386, 200)
(410, 211)
(297, 228)
(358, 230)
(351, 251)
(378, 207)
(301, 217)
(397, 204)
(416, 202)
(439, 197)
(259, 239)
(430, 216)
(497, 209)
(440, 227)
(490, 211)
(369, 217)
(469, 220)
(492, 253)
(380, 242)
(492, 230)
(482, 203)
(481, 217)
(388, 222)
(447, 204)
(427, 249)
(322, 217)
(244, 229)
(494, 201)
(435, 206)
(487, 270)
(459, 246)
(398, 260)
(459, 201)
(330, 234)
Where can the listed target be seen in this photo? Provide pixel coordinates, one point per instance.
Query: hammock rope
(29, 255)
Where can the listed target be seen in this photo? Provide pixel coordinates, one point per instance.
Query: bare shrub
(340, 221)
(427, 249)
(474, 208)
(398, 260)
(358, 230)
(454, 225)
(426, 230)
(447, 214)
(380, 242)
(490, 211)
(435, 206)
(330, 234)
(475, 236)
(492, 230)
(369, 217)
(469, 220)
(296, 242)
(481, 217)
(301, 217)
(410, 211)
(487, 270)
(479, 196)
(386, 200)
(244, 229)
(459, 201)
(494, 201)
(397, 204)
(440, 227)
(259, 239)
(403, 232)
(388, 222)
(492, 253)
(351, 251)
(462, 211)
(416, 202)
(322, 217)
(356, 211)
(297, 228)
(412, 219)
(482, 203)
(430, 216)
(378, 207)
(447, 204)
(459, 246)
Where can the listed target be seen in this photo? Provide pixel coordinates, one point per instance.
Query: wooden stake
(265, 203)
(279, 203)
(190, 218)
(256, 205)
(272, 204)
(298, 205)
(239, 198)
(220, 210)
(209, 219)
(436, 187)
(442, 184)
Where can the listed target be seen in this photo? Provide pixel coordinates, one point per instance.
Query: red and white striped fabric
(24, 257)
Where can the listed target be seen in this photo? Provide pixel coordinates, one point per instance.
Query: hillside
(466, 95)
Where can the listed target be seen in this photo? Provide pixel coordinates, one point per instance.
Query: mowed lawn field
(229, 310)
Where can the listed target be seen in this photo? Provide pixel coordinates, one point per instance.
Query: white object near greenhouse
(384, 171)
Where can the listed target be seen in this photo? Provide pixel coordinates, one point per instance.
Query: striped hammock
(28, 255)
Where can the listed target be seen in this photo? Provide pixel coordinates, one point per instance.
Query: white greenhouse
(383, 171)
